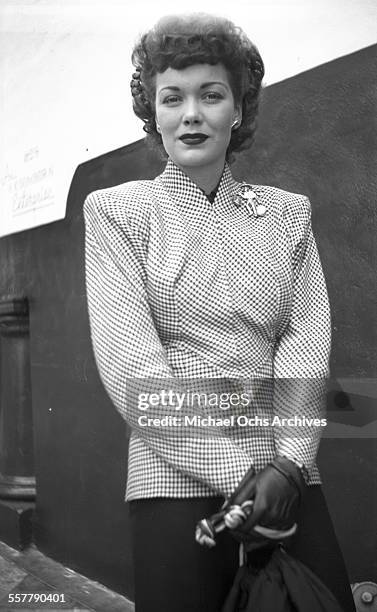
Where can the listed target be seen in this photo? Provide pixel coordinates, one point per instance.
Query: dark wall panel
(317, 135)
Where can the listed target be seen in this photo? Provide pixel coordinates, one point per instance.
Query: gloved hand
(277, 491)
(243, 490)
(207, 528)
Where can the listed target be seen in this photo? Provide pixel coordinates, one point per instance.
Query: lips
(193, 139)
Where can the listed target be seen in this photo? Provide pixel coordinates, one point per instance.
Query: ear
(238, 113)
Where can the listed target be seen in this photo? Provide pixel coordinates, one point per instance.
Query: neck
(204, 177)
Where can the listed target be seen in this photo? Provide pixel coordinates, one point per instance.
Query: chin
(194, 159)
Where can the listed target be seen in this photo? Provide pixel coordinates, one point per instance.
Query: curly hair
(179, 41)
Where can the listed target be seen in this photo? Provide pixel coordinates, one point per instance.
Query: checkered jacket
(181, 288)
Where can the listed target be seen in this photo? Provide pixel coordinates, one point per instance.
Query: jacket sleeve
(301, 360)
(129, 354)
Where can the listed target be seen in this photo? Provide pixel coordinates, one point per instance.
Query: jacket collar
(183, 189)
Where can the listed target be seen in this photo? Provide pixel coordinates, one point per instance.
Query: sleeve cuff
(300, 464)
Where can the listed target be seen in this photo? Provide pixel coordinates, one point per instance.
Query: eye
(171, 100)
(213, 96)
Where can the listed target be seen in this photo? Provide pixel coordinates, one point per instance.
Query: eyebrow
(203, 86)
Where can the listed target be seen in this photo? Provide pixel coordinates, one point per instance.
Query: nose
(191, 112)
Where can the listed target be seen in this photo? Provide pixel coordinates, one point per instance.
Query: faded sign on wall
(33, 189)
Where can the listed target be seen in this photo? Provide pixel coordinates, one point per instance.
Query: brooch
(245, 196)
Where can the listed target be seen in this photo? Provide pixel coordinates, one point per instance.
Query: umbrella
(282, 584)
(269, 578)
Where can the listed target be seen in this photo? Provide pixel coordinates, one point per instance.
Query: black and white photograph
(188, 331)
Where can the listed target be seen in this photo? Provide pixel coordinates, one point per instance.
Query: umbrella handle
(206, 529)
(238, 514)
(204, 534)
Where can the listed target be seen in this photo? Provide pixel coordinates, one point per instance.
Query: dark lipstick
(193, 138)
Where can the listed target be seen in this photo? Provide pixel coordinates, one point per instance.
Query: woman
(196, 282)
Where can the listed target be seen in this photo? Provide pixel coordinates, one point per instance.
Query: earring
(158, 128)
(235, 124)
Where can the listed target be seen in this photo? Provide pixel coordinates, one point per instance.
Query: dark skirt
(175, 574)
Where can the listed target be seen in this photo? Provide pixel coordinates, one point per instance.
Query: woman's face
(195, 110)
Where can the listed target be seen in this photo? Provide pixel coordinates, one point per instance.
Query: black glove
(277, 491)
(207, 528)
(243, 490)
